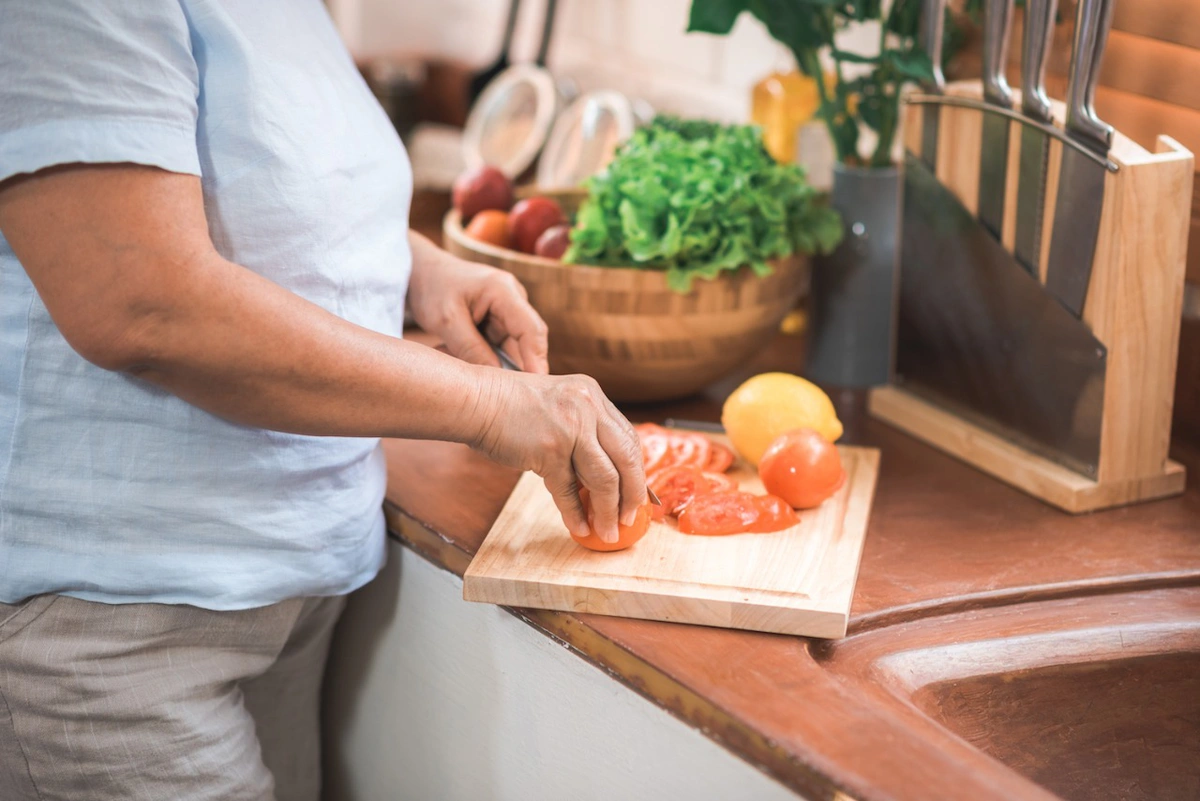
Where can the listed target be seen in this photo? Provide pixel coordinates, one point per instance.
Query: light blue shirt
(110, 488)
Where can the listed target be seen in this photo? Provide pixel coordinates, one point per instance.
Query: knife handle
(998, 15)
(932, 18)
(1092, 21)
(1039, 22)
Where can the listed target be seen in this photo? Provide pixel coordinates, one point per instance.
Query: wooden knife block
(1133, 306)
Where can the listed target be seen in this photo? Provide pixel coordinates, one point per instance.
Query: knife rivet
(858, 229)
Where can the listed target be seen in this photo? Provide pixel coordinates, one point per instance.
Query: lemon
(771, 404)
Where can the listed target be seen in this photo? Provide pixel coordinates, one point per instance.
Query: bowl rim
(452, 228)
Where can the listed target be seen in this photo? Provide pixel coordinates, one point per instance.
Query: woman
(205, 264)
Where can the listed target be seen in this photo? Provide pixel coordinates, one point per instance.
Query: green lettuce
(695, 198)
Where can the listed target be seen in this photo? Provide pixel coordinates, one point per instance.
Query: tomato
(481, 189)
(677, 486)
(530, 218)
(658, 511)
(655, 445)
(626, 535)
(689, 450)
(490, 226)
(720, 460)
(553, 242)
(775, 514)
(802, 467)
(720, 513)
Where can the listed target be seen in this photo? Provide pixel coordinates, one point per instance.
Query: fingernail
(629, 517)
(611, 536)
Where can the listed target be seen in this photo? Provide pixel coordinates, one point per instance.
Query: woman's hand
(451, 298)
(564, 429)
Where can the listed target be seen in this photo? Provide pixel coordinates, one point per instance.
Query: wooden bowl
(639, 339)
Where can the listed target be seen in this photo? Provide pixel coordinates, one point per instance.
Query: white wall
(638, 47)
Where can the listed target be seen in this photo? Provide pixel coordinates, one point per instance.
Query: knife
(1035, 144)
(1081, 179)
(993, 150)
(933, 14)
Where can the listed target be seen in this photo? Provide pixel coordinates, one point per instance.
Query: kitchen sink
(1121, 729)
(1091, 697)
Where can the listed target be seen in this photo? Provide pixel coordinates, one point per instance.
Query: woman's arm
(122, 258)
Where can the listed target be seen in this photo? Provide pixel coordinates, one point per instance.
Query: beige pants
(151, 702)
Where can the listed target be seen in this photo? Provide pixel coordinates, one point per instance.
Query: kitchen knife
(993, 151)
(1035, 144)
(1081, 178)
(933, 14)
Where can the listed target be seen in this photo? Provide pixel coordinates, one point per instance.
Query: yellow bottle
(780, 103)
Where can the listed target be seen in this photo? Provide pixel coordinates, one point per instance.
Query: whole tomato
(530, 218)
(553, 242)
(802, 467)
(481, 189)
(490, 226)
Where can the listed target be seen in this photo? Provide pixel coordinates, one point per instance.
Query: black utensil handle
(547, 30)
(514, 8)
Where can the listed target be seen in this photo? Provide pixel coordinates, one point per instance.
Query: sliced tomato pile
(686, 470)
(677, 486)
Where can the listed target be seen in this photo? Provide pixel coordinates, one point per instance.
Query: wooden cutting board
(796, 581)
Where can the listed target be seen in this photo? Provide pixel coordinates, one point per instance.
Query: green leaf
(854, 58)
(696, 198)
(905, 18)
(913, 63)
(714, 16)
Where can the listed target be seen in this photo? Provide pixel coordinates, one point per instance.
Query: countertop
(944, 540)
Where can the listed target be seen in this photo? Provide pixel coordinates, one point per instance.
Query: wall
(636, 46)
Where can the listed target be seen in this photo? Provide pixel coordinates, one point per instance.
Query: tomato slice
(719, 482)
(720, 513)
(689, 449)
(656, 445)
(720, 460)
(775, 514)
(677, 486)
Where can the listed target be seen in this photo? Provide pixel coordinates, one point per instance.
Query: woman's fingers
(624, 450)
(511, 317)
(463, 340)
(595, 471)
(565, 491)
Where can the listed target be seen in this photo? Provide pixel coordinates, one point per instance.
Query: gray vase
(853, 296)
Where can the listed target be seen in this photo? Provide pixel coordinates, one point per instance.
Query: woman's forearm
(122, 259)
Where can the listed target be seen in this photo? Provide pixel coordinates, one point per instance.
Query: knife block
(1133, 306)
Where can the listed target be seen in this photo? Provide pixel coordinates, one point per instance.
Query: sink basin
(1094, 697)
(1121, 729)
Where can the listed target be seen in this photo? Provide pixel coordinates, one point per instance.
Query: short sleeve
(96, 82)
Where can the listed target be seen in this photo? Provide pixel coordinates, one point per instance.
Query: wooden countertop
(943, 538)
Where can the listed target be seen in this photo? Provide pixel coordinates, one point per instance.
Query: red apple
(481, 189)
(530, 218)
(553, 242)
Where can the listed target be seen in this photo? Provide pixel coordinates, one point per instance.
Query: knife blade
(1035, 144)
(993, 150)
(1080, 200)
(933, 15)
